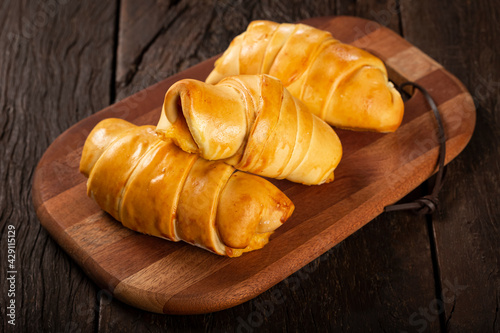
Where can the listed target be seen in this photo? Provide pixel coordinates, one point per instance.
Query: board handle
(428, 203)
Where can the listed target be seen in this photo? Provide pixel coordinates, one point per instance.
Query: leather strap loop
(429, 203)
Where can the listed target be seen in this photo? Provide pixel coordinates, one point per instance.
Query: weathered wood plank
(161, 38)
(367, 282)
(463, 36)
(55, 69)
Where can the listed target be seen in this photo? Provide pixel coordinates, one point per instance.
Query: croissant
(343, 85)
(252, 123)
(153, 187)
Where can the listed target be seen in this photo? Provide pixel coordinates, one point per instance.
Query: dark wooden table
(63, 60)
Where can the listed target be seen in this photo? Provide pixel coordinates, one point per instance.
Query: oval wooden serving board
(376, 170)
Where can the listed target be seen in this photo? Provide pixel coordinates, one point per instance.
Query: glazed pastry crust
(153, 187)
(342, 84)
(254, 124)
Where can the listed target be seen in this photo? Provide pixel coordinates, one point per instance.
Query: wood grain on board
(376, 170)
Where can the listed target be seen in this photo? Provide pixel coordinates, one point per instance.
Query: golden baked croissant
(253, 123)
(342, 84)
(153, 187)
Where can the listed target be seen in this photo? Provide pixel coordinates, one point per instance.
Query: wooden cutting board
(376, 170)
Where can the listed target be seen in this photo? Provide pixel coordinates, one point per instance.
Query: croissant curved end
(250, 207)
(398, 108)
(228, 62)
(195, 117)
(373, 102)
(173, 125)
(100, 138)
